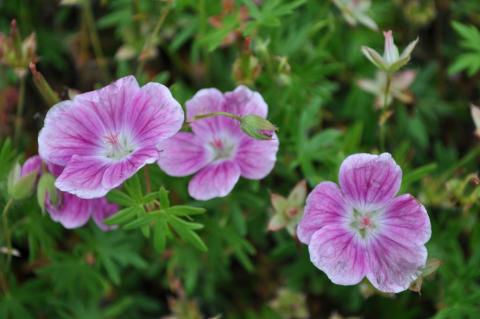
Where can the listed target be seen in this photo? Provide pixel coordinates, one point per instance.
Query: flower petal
(215, 180)
(325, 206)
(183, 154)
(203, 102)
(102, 210)
(392, 264)
(83, 177)
(369, 181)
(207, 101)
(243, 101)
(406, 220)
(116, 173)
(337, 252)
(71, 212)
(69, 130)
(158, 119)
(256, 158)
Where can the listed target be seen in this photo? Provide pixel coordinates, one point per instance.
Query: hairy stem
(6, 231)
(20, 107)
(383, 119)
(212, 114)
(92, 30)
(153, 36)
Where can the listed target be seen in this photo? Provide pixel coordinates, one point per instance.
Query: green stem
(151, 39)
(384, 111)
(20, 107)
(6, 230)
(212, 114)
(97, 48)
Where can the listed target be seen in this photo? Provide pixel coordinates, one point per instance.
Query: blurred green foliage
(304, 59)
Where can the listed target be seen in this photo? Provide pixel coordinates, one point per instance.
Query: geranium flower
(105, 136)
(361, 229)
(217, 150)
(72, 211)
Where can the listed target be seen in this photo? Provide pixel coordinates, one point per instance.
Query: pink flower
(105, 136)
(217, 151)
(73, 212)
(361, 229)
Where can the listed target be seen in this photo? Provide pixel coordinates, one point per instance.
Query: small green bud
(46, 187)
(257, 127)
(20, 187)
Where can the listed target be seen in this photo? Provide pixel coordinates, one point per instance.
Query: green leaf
(183, 210)
(186, 233)
(120, 198)
(160, 232)
(417, 174)
(163, 197)
(142, 220)
(134, 188)
(123, 215)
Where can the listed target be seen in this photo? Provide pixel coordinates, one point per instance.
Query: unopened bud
(22, 179)
(257, 127)
(47, 93)
(46, 190)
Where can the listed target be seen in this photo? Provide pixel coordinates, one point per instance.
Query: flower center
(118, 146)
(363, 223)
(222, 148)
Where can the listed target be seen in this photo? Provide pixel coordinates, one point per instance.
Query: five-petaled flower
(217, 150)
(362, 229)
(105, 136)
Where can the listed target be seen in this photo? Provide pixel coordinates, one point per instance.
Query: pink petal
(159, 118)
(339, 254)
(207, 101)
(71, 212)
(393, 264)
(203, 102)
(113, 103)
(83, 177)
(243, 101)
(116, 173)
(183, 154)
(215, 180)
(102, 210)
(256, 158)
(406, 220)
(369, 181)
(32, 164)
(325, 206)
(69, 130)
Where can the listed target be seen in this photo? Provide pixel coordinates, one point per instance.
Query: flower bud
(17, 53)
(46, 190)
(47, 93)
(22, 179)
(288, 211)
(257, 127)
(391, 60)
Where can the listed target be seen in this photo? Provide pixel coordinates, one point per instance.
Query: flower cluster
(94, 142)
